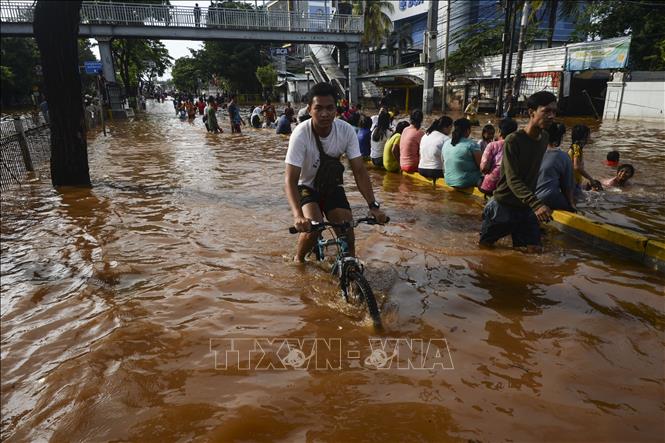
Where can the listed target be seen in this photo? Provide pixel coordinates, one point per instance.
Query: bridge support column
(353, 74)
(113, 91)
(107, 58)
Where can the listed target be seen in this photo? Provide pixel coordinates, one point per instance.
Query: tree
(232, 61)
(56, 27)
(638, 18)
(267, 76)
(19, 58)
(137, 58)
(185, 74)
(377, 22)
(569, 8)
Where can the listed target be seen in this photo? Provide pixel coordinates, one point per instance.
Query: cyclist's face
(323, 110)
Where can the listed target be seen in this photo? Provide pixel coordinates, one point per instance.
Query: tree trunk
(520, 51)
(56, 28)
(554, 4)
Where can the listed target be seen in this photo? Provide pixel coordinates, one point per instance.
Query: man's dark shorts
(500, 220)
(334, 200)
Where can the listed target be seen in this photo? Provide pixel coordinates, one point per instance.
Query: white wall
(641, 100)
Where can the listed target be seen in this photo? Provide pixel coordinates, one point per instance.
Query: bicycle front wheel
(360, 290)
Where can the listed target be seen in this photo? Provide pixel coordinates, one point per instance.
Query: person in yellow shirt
(391, 148)
(471, 111)
(580, 136)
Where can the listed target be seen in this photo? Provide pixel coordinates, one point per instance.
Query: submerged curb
(633, 245)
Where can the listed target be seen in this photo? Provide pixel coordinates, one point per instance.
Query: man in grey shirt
(555, 180)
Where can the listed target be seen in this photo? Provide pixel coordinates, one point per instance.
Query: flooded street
(116, 300)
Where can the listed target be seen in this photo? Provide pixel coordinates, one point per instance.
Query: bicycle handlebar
(321, 226)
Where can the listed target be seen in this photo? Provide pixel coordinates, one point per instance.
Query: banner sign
(605, 54)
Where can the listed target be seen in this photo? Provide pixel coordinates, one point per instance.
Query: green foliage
(267, 75)
(233, 61)
(376, 19)
(6, 77)
(639, 18)
(19, 58)
(139, 59)
(185, 74)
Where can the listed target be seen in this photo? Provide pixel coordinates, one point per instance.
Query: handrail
(151, 15)
(331, 79)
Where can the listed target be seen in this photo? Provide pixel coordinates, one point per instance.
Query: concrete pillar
(107, 58)
(353, 74)
(429, 55)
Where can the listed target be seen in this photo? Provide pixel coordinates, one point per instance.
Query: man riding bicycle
(313, 181)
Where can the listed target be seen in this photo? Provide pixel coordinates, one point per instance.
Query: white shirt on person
(430, 150)
(257, 111)
(303, 152)
(376, 147)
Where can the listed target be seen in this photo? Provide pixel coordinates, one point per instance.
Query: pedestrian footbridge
(105, 21)
(129, 20)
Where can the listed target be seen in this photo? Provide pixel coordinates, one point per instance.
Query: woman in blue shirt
(364, 136)
(461, 157)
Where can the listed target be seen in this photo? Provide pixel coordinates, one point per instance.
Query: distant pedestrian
(234, 116)
(284, 124)
(210, 118)
(197, 15)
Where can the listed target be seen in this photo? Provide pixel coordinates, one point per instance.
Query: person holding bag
(314, 172)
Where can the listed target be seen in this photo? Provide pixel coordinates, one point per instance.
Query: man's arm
(365, 186)
(293, 196)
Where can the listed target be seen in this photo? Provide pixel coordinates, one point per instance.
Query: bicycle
(349, 270)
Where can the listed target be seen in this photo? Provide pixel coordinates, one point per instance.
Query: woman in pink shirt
(490, 163)
(409, 144)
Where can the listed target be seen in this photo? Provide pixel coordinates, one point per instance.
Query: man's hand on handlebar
(379, 215)
(302, 224)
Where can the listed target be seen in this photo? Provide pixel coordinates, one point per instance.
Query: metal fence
(25, 145)
(129, 14)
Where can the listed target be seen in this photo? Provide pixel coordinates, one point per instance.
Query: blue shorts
(500, 220)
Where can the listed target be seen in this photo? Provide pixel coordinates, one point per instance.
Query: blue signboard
(94, 67)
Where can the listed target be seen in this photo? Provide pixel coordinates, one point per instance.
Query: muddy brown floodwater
(118, 304)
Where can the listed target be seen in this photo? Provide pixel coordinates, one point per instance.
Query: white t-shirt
(256, 111)
(376, 148)
(430, 150)
(304, 154)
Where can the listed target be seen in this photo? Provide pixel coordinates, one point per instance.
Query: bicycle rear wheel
(360, 290)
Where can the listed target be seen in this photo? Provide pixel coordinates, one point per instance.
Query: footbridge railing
(170, 16)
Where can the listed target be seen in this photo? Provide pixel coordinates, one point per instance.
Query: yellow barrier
(655, 254)
(650, 252)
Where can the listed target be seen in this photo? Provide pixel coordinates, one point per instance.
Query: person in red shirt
(409, 144)
(201, 105)
(612, 159)
(269, 113)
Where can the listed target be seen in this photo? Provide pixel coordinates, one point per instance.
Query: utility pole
(429, 56)
(506, 36)
(520, 51)
(444, 94)
(513, 19)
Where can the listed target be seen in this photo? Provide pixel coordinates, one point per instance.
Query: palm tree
(569, 8)
(376, 19)
(400, 39)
